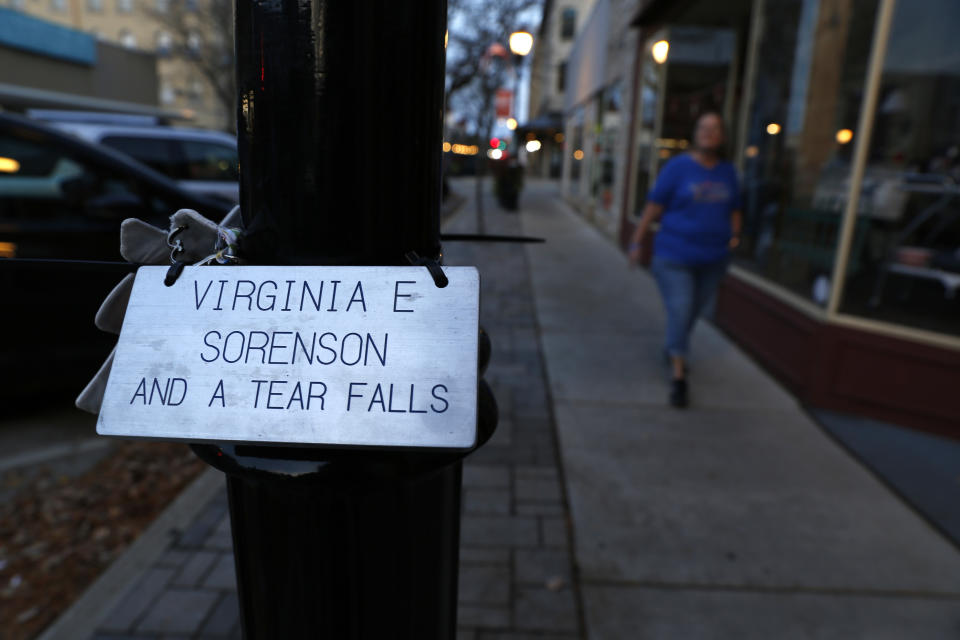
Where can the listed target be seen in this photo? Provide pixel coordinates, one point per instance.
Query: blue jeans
(688, 291)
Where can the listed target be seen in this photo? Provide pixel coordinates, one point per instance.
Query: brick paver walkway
(516, 568)
(189, 592)
(516, 572)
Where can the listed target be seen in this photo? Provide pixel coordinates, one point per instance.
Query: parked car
(61, 204)
(199, 160)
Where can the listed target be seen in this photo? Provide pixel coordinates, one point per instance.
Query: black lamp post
(340, 129)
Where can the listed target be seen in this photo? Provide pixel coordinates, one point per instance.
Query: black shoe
(678, 393)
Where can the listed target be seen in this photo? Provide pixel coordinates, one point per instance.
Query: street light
(521, 43)
(660, 50)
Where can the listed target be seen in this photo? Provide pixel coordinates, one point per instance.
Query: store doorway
(692, 65)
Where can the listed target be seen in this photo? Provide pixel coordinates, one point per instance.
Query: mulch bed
(58, 534)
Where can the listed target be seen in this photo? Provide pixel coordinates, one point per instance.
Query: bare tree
(202, 40)
(479, 63)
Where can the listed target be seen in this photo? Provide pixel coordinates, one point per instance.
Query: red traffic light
(494, 143)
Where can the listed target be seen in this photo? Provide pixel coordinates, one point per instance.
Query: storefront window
(612, 108)
(807, 90)
(906, 266)
(575, 149)
(607, 137)
(687, 69)
(588, 162)
(697, 77)
(650, 91)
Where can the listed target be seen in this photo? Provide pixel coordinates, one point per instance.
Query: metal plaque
(350, 356)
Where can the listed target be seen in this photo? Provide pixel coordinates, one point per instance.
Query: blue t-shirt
(697, 203)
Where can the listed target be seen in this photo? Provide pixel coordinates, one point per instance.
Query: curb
(53, 452)
(98, 600)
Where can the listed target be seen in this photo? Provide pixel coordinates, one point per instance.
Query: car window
(32, 171)
(56, 204)
(160, 154)
(205, 160)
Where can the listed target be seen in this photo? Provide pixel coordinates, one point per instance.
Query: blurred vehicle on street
(61, 204)
(199, 160)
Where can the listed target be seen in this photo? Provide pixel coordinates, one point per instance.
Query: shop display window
(904, 264)
(807, 89)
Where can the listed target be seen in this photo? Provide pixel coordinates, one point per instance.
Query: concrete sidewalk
(737, 518)
(596, 511)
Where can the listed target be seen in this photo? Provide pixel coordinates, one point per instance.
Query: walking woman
(697, 199)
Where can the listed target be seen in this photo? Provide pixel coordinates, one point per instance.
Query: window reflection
(907, 267)
(811, 68)
(210, 161)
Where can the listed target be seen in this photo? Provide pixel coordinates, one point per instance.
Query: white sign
(362, 356)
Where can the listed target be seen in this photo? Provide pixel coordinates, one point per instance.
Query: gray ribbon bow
(142, 243)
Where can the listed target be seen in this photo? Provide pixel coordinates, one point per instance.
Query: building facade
(177, 32)
(559, 25)
(46, 65)
(843, 120)
(597, 109)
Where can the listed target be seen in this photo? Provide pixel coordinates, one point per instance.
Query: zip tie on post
(225, 251)
(228, 239)
(439, 277)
